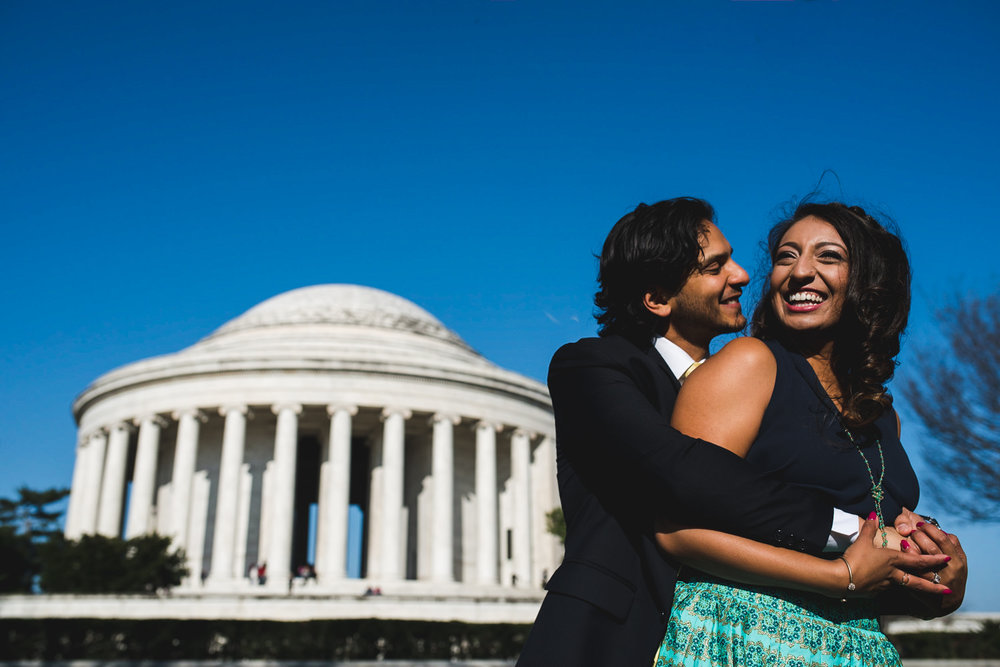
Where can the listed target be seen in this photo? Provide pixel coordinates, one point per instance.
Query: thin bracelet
(850, 574)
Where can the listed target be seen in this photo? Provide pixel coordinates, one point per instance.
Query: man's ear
(657, 302)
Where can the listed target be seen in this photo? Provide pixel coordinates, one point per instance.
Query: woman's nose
(803, 269)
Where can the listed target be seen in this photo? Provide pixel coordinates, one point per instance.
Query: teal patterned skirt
(714, 622)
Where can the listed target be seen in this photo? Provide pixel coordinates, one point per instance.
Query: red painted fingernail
(947, 591)
(920, 523)
(871, 517)
(947, 558)
(904, 545)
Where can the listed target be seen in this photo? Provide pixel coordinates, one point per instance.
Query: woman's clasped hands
(928, 565)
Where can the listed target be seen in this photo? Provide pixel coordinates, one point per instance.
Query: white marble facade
(311, 402)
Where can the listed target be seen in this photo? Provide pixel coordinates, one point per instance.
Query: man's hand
(894, 540)
(906, 522)
(896, 536)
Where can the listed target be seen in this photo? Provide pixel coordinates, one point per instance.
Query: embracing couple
(758, 513)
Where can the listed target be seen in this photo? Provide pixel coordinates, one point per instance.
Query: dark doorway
(357, 544)
(306, 494)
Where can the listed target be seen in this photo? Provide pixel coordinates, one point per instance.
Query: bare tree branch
(954, 389)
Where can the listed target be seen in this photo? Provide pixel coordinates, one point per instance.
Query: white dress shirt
(845, 525)
(677, 359)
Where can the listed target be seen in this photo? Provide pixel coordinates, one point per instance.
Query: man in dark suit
(668, 286)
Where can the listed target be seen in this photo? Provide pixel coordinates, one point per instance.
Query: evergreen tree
(26, 523)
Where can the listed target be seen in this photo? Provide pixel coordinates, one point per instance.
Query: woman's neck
(819, 354)
(823, 368)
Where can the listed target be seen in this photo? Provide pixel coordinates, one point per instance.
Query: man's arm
(603, 415)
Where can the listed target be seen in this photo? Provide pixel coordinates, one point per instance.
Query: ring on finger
(905, 580)
(937, 578)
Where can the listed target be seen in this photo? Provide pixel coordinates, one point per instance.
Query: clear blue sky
(166, 166)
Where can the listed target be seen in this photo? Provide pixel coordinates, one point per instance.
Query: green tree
(17, 567)
(555, 523)
(26, 523)
(954, 389)
(99, 564)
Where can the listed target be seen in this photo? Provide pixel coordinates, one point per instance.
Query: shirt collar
(677, 359)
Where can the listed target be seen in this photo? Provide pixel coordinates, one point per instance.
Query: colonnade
(100, 479)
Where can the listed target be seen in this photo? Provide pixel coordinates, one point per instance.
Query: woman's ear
(656, 302)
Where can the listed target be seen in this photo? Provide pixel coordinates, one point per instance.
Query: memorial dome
(339, 304)
(314, 400)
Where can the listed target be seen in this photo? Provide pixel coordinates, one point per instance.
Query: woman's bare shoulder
(743, 367)
(725, 398)
(743, 356)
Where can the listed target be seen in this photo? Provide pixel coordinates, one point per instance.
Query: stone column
(545, 498)
(185, 456)
(520, 466)
(197, 525)
(77, 491)
(443, 479)
(487, 555)
(109, 520)
(279, 552)
(334, 493)
(243, 523)
(96, 446)
(147, 451)
(373, 565)
(224, 538)
(392, 489)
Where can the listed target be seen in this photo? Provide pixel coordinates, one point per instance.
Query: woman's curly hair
(875, 310)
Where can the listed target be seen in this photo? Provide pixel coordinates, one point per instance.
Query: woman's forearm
(745, 561)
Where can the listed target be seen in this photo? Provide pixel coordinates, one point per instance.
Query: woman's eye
(832, 256)
(784, 257)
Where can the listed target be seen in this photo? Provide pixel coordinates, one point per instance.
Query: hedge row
(362, 639)
(955, 645)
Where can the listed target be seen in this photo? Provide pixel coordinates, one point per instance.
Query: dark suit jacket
(620, 464)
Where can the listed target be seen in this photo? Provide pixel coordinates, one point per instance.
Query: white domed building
(256, 446)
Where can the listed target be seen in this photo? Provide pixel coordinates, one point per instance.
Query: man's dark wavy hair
(875, 312)
(656, 246)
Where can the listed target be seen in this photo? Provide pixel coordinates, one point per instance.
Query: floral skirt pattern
(722, 623)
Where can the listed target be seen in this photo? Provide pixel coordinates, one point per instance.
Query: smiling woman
(840, 290)
(805, 401)
(809, 277)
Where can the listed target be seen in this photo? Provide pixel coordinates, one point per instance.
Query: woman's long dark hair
(875, 310)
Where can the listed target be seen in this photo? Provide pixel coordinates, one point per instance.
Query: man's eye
(711, 268)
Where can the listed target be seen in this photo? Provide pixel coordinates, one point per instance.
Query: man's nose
(738, 277)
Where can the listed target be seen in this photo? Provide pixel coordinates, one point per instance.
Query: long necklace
(877, 491)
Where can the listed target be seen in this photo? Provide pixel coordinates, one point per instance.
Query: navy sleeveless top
(801, 441)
